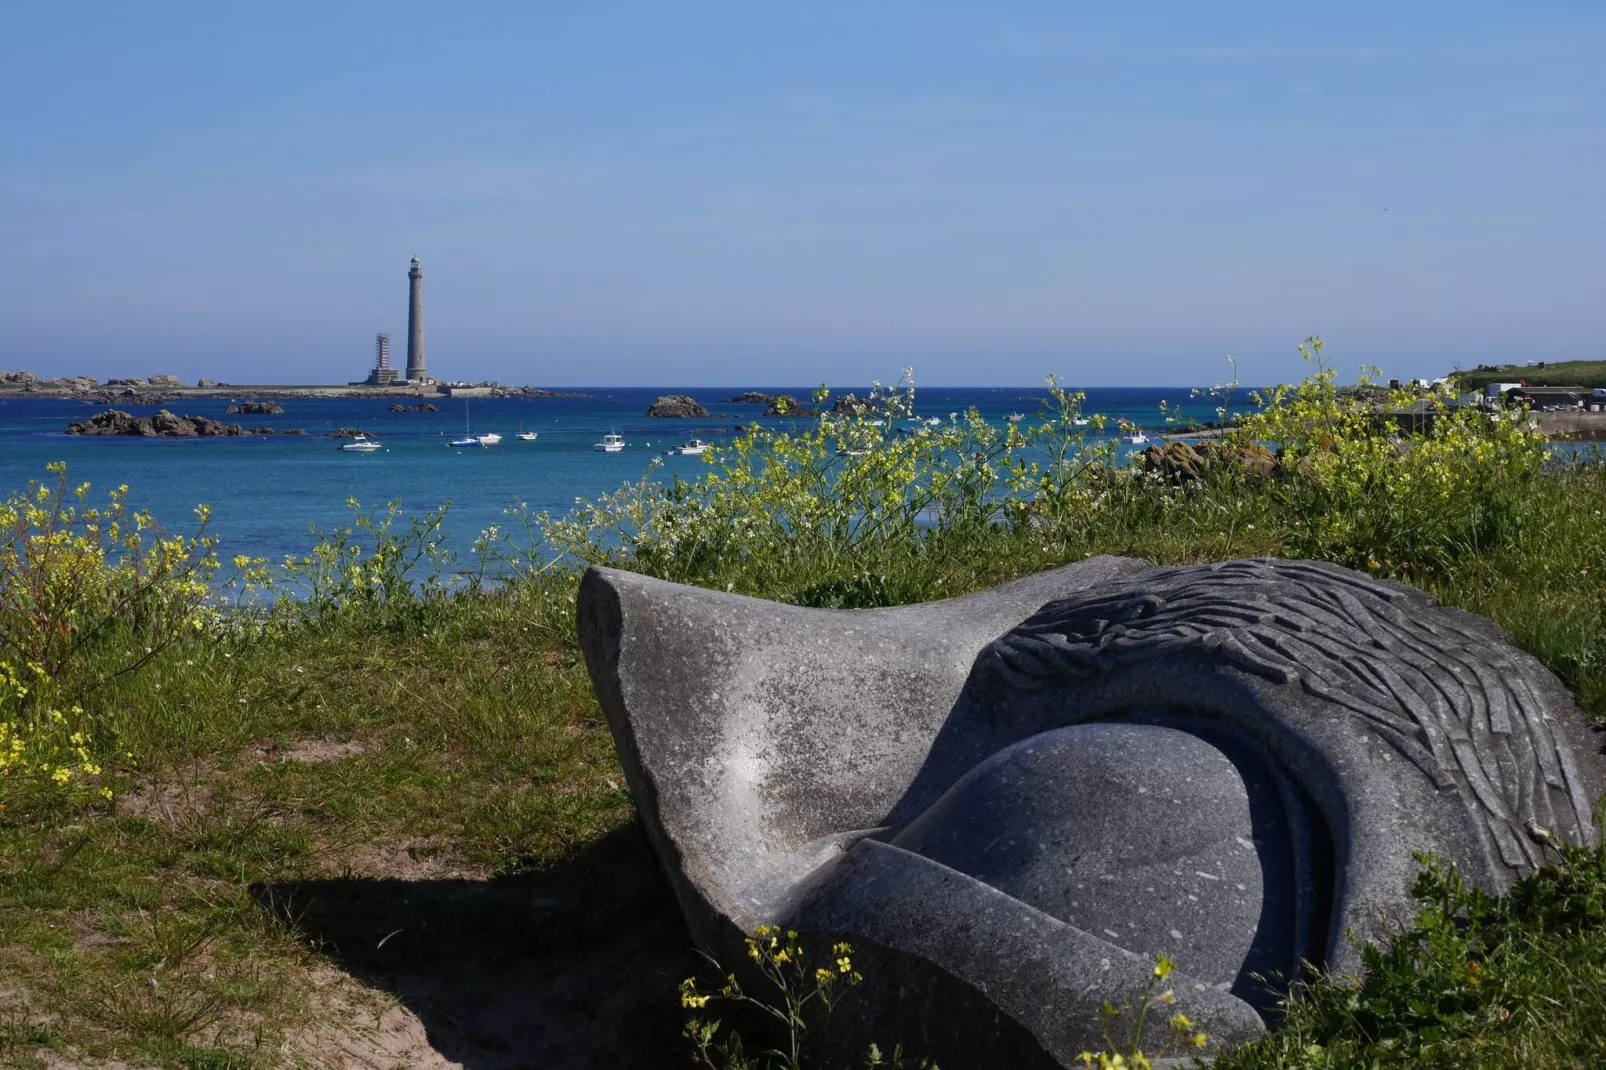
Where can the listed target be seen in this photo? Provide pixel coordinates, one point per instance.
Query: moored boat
(695, 447)
(361, 444)
(612, 442)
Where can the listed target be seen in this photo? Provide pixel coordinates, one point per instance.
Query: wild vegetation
(265, 815)
(1551, 373)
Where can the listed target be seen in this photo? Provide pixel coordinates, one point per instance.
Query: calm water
(265, 492)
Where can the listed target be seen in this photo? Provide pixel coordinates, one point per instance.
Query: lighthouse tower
(415, 324)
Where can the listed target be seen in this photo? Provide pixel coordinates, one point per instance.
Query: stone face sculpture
(1011, 802)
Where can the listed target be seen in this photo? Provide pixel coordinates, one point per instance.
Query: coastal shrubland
(372, 780)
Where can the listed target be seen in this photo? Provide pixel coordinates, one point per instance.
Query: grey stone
(1011, 802)
(676, 407)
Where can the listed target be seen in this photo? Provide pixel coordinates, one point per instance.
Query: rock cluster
(347, 432)
(166, 380)
(163, 425)
(254, 408)
(18, 377)
(425, 407)
(1180, 462)
(750, 397)
(677, 407)
(787, 405)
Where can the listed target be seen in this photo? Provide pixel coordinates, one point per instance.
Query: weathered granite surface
(1010, 802)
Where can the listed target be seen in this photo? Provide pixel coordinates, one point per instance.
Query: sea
(270, 494)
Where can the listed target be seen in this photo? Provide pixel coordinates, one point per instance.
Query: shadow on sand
(575, 966)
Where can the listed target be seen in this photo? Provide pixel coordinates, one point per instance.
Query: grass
(1554, 373)
(412, 806)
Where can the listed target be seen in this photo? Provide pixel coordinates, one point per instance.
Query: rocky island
(677, 407)
(163, 425)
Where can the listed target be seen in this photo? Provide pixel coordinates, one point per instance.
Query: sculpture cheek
(1148, 836)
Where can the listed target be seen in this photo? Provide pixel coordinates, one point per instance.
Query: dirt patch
(173, 800)
(415, 860)
(310, 751)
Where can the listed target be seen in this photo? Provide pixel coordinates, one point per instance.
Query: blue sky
(702, 193)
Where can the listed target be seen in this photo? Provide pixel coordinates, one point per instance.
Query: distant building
(383, 374)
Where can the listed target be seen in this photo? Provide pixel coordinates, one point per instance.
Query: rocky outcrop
(425, 407)
(677, 407)
(17, 378)
(750, 397)
(787, 405)
(347, 432)
(163, 425)
(166, 380)
(125, 382)
(254, 408)
(848, 405)
(1179, 462)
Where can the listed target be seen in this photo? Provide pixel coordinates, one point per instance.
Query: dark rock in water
(751, 397)
(347, 432)
(1010, 802)
(254, 408)
(677, 407)
(163, 425)
(425, 407)
(848, 405)
(787, 405)
(274, 431)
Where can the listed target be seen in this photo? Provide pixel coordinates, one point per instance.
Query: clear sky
(746, 193)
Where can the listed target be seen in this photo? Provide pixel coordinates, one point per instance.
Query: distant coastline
(159, 389)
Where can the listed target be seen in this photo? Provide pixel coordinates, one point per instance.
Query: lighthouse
(415, 324)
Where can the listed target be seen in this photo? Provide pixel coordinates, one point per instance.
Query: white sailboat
(468, 438)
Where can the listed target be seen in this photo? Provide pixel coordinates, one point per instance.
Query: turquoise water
(266, 491)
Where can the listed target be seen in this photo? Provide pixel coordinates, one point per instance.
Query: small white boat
(692, 448)
(1016, 417)
(611, 443)
(361, 444)
(1079, 421)
(934, 421)
(469, 437)
(527, 436)
(1136, 438)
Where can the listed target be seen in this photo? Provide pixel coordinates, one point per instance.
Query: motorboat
(611, 443)
(695, 447)
(527, 436)
(490, 439)
(361, 444)
(1079, 421)
(1136, 438)
(1016, 417)
(469, 440)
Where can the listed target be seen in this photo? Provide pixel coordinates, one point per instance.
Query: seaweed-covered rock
(254, 408)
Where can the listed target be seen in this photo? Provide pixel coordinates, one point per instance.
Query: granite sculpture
(1011, 802)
